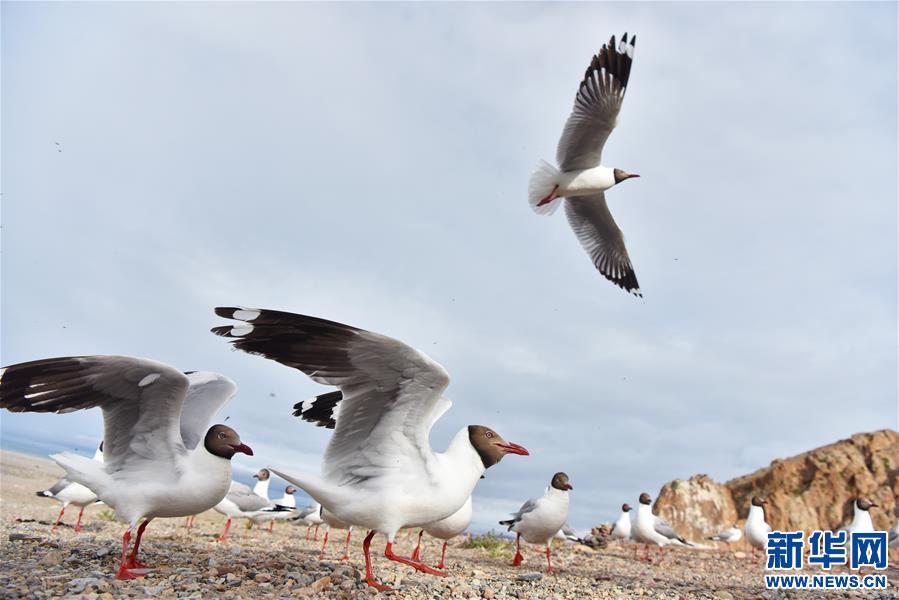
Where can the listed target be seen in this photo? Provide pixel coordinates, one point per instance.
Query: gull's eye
(489, 434)
(221, 435)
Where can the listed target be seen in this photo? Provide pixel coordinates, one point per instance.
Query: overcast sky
(369, 164)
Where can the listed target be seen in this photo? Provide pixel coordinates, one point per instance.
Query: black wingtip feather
(225, 311)
(319, 410)
(615, 63)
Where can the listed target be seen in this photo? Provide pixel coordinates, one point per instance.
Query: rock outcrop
(813, 490)
(697, 507)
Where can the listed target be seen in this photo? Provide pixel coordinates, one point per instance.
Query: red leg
(78, 520)
(549, 562)
(321, 554)
(315, 537)
(369, 576)
(133, 563)
(346, 548)
(123, 572)
(308, 532)
(271, 526)
(416, 552)
(224, 535)
(549, 197)
(59, 518)
(442, 565)
(388, 552)
(518, 557)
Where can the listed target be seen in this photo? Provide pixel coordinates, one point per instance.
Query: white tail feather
(81, 469)
(543, 181)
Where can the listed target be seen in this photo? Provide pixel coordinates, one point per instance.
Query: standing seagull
(446, 529)
(69, 492)
(379, 470)
(621, 529)
(332, 522)
(160, 460)
(731, 536)
(755, 528)
(651, 529)
(539, 519)
(861, 518)
(580, 178)
(242, 502)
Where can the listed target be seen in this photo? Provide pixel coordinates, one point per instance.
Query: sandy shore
(36, 563)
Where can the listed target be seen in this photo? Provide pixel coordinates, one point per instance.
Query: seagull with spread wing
(581, 179)
(379, 470)
(160, 456)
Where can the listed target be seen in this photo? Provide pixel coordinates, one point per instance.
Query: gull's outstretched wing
(600, 236)
(596, 106)
(141, 401)
(390, 389)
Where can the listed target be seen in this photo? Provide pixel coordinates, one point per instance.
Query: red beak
(632, 175)
(511, 448)
(243, 448)
(568, 486)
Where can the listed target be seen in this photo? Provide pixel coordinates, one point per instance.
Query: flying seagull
(581, 179)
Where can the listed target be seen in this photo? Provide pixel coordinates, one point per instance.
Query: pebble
(319, 584)
(530, 577)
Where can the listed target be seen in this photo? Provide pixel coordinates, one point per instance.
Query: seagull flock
(162, 455)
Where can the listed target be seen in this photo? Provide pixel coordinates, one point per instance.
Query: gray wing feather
(527, 507)
(663, 528)
(207, 393)
(600, 236)
(141, 401)
(59, 486)
(245, 498)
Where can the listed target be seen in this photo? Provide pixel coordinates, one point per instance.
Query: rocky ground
(35, 563)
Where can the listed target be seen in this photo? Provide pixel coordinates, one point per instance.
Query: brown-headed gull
(243, 502)
(445, 529)
(160, 456)
(861, 518)
(538, 519)
(755, 528)
(581, 179)
(280, 509)
(70, 492)
(379, 470)
(321, 410)
(648, 529)
(621, 528)
(311, 517)
(332, 522)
